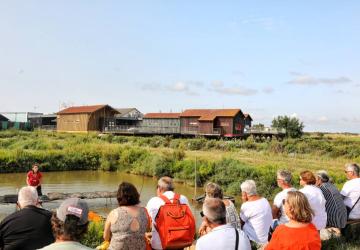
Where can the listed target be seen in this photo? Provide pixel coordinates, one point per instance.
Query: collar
(222, 227)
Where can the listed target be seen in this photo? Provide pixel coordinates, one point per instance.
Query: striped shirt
(335, 207)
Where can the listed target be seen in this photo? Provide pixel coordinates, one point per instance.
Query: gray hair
(284, 175)
(166, 184)
(353, 167)
(213, 190)
(248, 187)
(27, 196)
(323, 175)
(215, 211)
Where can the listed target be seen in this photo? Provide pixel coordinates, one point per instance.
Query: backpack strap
(165, 199)
(237, 239)
(176, 199)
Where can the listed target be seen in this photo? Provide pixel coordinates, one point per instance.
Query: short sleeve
(28, 174)
(345, 190)
(152, 207)
(243, 213)
(278, 200)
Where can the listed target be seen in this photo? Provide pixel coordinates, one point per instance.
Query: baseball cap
(73, 206)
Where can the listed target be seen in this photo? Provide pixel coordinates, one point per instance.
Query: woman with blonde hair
(299, 232)
(213, 190)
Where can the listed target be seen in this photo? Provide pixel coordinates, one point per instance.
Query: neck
(286, 186)
(213, 225)
(254, 197)
(62, 239)
(354, 177)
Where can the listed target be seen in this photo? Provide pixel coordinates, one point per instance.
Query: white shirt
(223, 237)
(257, 216)
(153, 207)
(278, 202)
(351, 192)
(317, 203)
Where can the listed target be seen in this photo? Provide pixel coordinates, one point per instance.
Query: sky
(268, 58)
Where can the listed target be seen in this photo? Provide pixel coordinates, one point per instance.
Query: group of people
(295, 220)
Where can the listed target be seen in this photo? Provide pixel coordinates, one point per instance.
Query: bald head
(27, 197)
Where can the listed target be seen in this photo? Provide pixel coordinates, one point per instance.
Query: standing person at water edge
(126, 225)
(34, 178)
(30, 227)
(178, 216)
(351, 190)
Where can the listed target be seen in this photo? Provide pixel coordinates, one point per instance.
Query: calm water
(86, 181)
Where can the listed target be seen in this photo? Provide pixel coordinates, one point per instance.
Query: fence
(16, 125)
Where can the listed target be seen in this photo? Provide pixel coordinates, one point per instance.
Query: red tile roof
(82, 109)
(210, 114)
(162, 115)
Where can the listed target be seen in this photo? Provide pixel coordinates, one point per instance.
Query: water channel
(87, 181)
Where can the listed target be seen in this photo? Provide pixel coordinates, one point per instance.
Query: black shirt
(27, 229)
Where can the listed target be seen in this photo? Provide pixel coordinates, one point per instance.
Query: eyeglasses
(202, 214)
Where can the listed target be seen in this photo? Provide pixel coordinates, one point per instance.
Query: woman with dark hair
(34, 178)
(315, 197)
(69, 225)
(299, 232)
(125, 226)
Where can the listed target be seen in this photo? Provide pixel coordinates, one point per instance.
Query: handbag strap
(354, 205)
(237, 239)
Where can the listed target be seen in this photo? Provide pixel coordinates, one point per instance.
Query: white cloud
(294, 115)
(217, 84)
(180, 86)
(265, 22)
(303, 79)
(323, 119)
(268, 90)
(237, 90)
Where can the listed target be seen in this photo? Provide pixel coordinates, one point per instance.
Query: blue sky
(269, 58)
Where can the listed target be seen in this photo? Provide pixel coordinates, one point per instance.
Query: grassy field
(225, 162)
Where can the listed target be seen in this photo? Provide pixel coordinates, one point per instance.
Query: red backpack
(175, 224)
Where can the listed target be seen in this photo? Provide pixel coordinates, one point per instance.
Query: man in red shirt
(34, 178)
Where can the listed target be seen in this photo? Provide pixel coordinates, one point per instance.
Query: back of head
(248, 187)
(353, 167)
(299, 207)
(284, 175)
(213, 190)
(127, 194)
(27, 197)
(166, 184)
(308, 177)
(215, 211)
(323, 176)
(70, 221)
